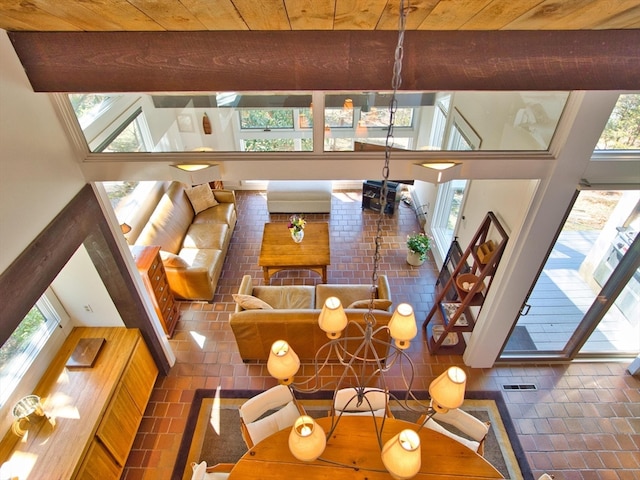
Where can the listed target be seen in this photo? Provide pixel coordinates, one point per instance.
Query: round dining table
(353, 453)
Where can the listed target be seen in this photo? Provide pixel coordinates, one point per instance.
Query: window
(26, 343)
(266, 119)
(128, 137)
(127, 197)
(622, 131)
(447, 210)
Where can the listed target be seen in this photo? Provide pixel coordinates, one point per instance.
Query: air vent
(521, 386)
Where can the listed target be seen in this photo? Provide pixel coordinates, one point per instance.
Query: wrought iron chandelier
(355, 349)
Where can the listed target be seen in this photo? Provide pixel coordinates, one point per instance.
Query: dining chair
(255, 426)
(219, 471)
(345, 402)
(466, 423)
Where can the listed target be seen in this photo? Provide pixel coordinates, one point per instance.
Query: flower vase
(414, 259)
(297, 235)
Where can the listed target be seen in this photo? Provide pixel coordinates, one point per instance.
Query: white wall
(509, 200)
(39, 173)
(80, 289)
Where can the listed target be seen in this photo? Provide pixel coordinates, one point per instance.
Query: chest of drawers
(152, 271)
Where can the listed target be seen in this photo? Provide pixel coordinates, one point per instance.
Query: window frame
(31, 374)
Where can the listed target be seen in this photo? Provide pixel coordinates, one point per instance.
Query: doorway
(586, 299)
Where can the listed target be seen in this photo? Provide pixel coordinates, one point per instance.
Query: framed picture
(185, 123)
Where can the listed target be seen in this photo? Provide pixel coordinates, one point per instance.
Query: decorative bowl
(466, 281)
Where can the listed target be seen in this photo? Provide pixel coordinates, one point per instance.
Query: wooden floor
(582, 422)
(562, 297)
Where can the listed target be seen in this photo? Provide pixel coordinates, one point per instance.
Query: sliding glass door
(586, 300)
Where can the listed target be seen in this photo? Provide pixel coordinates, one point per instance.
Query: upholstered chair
(255, 427)
(466, 423)
(219, 471)
(345, 402)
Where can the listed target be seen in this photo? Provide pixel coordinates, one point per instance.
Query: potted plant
(419, 245)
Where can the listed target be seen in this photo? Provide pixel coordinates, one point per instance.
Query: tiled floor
(582, 422)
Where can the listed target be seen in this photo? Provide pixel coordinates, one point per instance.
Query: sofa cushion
(206, 235)
(169, 221)
(346, 293)
(293, 296)
(172, 260)
(201, 197)
(249, 302)
(222, 213)
(378, 304)
(195, 282)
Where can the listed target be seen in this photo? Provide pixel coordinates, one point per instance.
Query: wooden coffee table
(280, 252)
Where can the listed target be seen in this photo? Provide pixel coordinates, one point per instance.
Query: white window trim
(49, 305)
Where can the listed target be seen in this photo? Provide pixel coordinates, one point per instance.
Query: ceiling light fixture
(356, 349)
(437, 172)
(195, 173)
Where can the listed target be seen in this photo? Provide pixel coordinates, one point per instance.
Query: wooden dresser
(95, 411)
(152, 271)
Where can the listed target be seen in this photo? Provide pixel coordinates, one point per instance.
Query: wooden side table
(152, 271)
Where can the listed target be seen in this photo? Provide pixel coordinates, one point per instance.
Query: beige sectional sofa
(193, 245)
(293, 315)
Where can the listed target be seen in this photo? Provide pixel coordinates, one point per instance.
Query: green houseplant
(419, 245)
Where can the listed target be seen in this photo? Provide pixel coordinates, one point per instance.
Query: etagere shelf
(456, 308)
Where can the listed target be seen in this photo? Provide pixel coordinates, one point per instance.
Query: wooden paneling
(141, 15)
(90, 406)
(245, 61)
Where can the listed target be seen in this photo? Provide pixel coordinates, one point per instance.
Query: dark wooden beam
(26, 279)
(329, 60)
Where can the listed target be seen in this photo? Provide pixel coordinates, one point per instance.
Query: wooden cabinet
(152, 271)
(456, 309)
(95, 411)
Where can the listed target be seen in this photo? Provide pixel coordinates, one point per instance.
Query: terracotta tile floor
(582, 422)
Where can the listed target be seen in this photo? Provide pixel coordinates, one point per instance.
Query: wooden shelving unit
(455, 310)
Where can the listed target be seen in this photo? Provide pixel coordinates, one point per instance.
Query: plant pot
(413, 259)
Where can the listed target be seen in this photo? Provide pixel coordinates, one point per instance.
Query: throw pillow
(249, 302)
(378, 304)
(201, 197)
(172, 260)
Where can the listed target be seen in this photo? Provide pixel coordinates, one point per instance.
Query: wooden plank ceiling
(202, 15)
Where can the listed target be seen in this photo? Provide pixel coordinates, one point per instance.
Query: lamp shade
(283, 363)
(402, 455)
(332, 319)
(307, 439)
(402, 325)
(447, 391)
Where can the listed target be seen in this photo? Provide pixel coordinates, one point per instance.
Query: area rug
(212, 431)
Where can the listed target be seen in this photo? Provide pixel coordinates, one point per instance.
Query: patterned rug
(213, 434)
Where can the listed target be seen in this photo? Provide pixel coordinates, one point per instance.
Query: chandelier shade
(447, 391)
(332, 319)
(402, 456)
(283, 363)
(307, 439)
(402, 325)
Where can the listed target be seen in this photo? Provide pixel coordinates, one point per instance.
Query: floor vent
(522, 386)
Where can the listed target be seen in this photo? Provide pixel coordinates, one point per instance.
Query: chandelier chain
(396, 82)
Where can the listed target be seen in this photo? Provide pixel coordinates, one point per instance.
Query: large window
(26, 343)
(276, 121)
